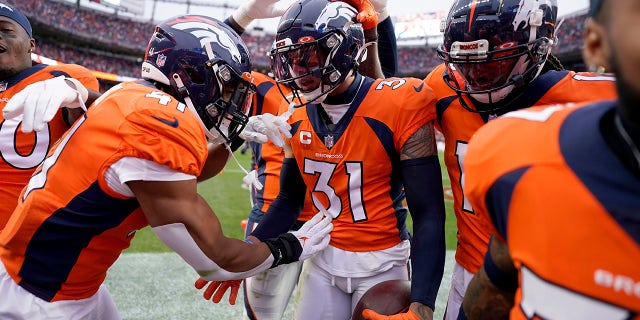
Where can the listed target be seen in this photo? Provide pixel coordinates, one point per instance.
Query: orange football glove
(372, 315)
(218, 288)
(367, 14)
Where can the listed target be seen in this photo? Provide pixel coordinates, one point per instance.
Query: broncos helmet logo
(205, 32)
(334, 11)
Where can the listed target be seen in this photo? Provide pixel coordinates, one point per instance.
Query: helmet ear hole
(194, 75)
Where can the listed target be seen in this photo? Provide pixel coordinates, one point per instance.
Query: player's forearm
(422, 180)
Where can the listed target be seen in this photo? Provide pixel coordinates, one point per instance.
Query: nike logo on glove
(419, 88)
(173, 123)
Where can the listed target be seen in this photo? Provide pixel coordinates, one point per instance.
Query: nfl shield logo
(161, 60)
(328, 141)
(3, 86)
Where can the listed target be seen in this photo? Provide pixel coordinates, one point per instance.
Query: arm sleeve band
(387, 47)
(506, 281)
(426, 205)
(177, 237)
(284, 210)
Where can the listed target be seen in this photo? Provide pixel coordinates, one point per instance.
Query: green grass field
(231, 203)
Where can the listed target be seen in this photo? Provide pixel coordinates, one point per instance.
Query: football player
(131, 161)
(356, 142)
(21, 151)
(497, 59)
(560, 186)
(266, 295)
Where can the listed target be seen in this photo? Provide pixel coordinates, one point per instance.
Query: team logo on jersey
(334, 11)
(328, 141)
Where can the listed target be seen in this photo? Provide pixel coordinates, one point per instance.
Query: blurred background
(110, 36)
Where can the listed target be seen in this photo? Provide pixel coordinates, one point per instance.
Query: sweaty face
(15, 45)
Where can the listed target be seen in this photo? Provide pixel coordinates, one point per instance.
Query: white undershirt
(131, 169)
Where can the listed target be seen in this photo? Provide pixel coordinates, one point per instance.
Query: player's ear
(596, 50)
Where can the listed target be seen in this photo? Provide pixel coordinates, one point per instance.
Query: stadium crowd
(111, 31)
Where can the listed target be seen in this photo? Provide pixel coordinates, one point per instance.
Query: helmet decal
(206, 33)
(334, 11)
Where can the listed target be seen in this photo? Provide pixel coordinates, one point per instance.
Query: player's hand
(314, 235)
(39, 102)
(372, 315)
(258, 9)
(216, 289)
(266, 127)
(367, 14)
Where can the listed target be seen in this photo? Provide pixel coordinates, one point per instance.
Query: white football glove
(381, 8)
(314, 235)
(266, 126)
(259, 9)
(39, 102)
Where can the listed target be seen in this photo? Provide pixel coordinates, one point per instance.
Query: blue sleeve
(284, 210)
(387, 47)
(235, 28)
(426, 205)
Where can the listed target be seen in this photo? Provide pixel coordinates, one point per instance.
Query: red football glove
(372, 315)
(367, 14)
(218, 288)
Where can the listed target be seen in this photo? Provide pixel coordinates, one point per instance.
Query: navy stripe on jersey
(498, 199)
(442, 105)
(535, 90)
(55, 247)
(588, 155)
(385, 136)
(24, 74)
(261, 91)
(321, 129)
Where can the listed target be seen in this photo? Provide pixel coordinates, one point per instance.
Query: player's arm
(217, 159)
(184, 221)
(39, 102)
(286, 207)
(422, 179)
(70, 115)
(490, 293)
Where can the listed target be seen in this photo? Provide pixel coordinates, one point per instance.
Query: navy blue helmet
(208, 67)
(318, 45)
(492, 47)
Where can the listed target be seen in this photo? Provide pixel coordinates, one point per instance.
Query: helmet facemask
(307, 67)
(224, 110)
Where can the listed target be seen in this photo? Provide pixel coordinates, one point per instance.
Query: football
(387, 298)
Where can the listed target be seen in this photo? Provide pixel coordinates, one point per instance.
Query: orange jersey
(21, 153)
(354, 168)
(70, 226)
(567, 208)
(267, 157)
(458, 125)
